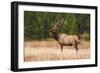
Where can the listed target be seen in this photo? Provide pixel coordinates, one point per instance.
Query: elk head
(55, 26)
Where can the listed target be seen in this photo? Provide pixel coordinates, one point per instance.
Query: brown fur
(64, 39)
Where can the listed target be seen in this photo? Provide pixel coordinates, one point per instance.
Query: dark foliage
(38, 24)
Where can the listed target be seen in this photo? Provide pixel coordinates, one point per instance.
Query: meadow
(50, 50)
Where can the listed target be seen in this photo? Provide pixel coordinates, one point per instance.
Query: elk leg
(61, 47)
(76, 49)
(76, 46)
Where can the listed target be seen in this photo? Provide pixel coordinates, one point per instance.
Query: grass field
(50, 50)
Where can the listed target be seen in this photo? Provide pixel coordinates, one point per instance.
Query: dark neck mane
(55, 35)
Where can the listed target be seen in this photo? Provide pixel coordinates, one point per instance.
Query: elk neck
(56, 36)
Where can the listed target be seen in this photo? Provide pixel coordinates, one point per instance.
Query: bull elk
(64, 39)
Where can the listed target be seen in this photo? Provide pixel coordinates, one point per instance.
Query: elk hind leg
(76, 46)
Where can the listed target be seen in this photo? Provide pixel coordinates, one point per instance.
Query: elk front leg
(76, 48)
(61, 47)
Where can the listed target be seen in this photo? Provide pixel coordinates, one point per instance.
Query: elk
(64, 39)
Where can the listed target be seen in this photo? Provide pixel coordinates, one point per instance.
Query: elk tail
(78, 40)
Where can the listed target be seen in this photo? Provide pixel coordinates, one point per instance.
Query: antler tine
(52, 24)
(57, 23)
(62, 20)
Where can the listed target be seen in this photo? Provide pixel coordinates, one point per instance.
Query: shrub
(86, 36)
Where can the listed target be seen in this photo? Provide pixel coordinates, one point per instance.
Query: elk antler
(62, 20)
(59, 23)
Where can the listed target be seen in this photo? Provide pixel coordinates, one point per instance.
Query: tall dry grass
(50, 50)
